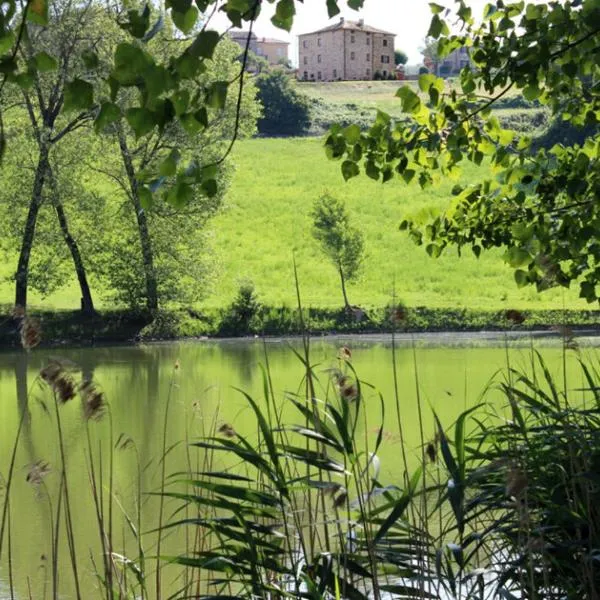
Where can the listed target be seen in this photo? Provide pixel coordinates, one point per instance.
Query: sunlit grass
(266, 223)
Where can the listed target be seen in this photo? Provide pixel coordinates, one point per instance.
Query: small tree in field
(341, 242)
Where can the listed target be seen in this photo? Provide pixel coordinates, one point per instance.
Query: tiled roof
(351, 25)
(267, 40)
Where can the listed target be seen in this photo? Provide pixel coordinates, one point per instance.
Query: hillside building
(275, 52)
(347, 50)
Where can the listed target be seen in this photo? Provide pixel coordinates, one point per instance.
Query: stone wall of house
(272, 51)
(321, 53)
(344, 53)
(383, 54)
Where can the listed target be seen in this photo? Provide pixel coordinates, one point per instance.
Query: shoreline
(117, 327)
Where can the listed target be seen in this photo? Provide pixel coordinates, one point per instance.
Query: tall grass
(501, 503)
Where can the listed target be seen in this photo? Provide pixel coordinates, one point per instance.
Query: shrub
(240, 317)
(377, 75)
(423, 70)
(285, 111)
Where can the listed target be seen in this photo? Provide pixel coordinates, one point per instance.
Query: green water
(199, 381)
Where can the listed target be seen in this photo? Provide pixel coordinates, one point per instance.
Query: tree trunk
(22, 274)
(142, 221)
(343, 280)
(87, 303)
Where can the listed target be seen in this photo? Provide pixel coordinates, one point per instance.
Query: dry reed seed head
(31, 332)
(340, 499)
(515, 316)
(55, 375)
(227, 430)
(431, 452)
(397, 314)
(176, 366)
(345, 353)
(349, 391)
(92, 400)
(36, 472)
(124, 442)
(516, 483)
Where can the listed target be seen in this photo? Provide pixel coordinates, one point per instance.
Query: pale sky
(408, 19)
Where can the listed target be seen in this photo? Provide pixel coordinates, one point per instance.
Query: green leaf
(435, 8)
(517, 257)
(437, 27)
(410, 100)
(180, 195)
(185, 21)
(44, 62)
(349, 169)
(204, 45)
(521, 278)
(352, 134)
(37, 11)
(141, 120)
(531, 92)
(109, 113)
(168, 167)
(332, 8)
(145, 196)
(130, 63)
(90, 59)
(6, 42)
(284, 14)
(79, 95)
(210, 188)
(217, 94)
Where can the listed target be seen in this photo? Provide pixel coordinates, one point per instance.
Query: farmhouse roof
(267, 40)
(351, 25)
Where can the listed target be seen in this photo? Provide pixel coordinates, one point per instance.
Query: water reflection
(198, 379)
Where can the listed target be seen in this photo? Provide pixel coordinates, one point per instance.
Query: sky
(408, 19)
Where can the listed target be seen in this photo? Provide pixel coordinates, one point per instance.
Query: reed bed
(502, 503)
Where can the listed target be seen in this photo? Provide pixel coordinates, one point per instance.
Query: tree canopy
(541, 205)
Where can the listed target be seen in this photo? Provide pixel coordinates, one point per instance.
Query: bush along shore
(127, 326)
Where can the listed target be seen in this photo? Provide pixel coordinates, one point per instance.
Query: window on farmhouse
(305, 44)
(318, 41)
(318, 58)
(352, 39)
(305, 74)
(368, 57)
(385, 42)
(319, 75)
(306, 60)
(352, 55)
(335, 73)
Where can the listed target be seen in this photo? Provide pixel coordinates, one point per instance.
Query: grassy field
(266, 223)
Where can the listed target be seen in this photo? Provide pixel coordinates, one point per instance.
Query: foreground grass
(267, 223)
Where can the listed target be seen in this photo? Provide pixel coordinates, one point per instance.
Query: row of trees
(97, 187)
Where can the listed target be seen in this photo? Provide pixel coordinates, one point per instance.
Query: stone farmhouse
(347, 50)
(274, 51)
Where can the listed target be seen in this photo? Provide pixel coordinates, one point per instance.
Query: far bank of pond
(200, 383)
(59, 328)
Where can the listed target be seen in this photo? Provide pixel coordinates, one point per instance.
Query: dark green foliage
(377, 76)
(565, 133)
(423, 70)
(285, 111)
(239, 318)
(540, 204)
(324, 114)
(340, 241)
(400, 57)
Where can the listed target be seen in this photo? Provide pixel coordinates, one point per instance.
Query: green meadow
(266, 224)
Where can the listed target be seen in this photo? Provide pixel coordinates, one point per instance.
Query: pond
(197, 382)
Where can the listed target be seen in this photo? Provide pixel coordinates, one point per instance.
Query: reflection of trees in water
(244, 357)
